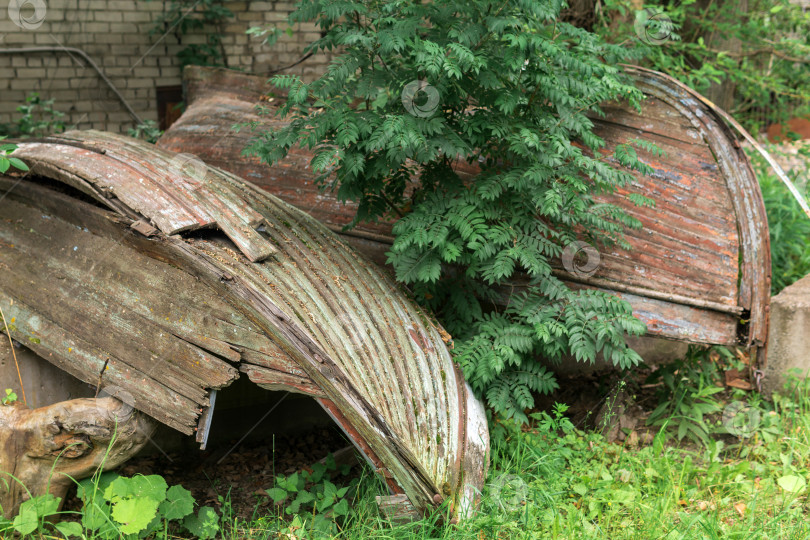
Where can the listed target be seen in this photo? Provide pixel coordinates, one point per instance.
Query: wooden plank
(79, 301)
(271, 379)
(210, 203)
(397, 509)
(192, 313)
(129, 182)
(85, 361)
(707, 216)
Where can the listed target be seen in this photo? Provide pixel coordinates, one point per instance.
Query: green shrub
(313, 499)
(148, 131)
(38, 118)
(507, 86)
(755, 58)
(788, 225)
(688, 394)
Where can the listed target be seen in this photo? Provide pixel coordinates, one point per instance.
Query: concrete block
(137, 83)
(31, 73)
(59, 84)
(138, 17)
(252, 18)
(108, 38)
(788, 335)
(124, 28)
(125, 5)
(145, 72)
(32, 86)
(108, 16)
(96, 27)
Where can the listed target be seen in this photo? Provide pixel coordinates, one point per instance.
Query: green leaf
(792, 483)
(341, 508)
(277, 494)
(178, 504)
(134, 514)
(153, 487)
(205, 525)
(86, 490)
(304, 497)
(18, 163)
(69, 528)
(33, 511)
(96, 515)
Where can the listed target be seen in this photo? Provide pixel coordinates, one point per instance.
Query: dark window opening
(170, 105)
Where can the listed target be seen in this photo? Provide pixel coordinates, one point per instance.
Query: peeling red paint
(699, 265)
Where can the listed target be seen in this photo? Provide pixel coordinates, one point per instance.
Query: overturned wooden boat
(124, 267)
(698, 270)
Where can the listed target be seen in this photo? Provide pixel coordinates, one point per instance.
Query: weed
(687, 395)
(38, 118)
(313, 498)
(148, 131)
(9, 398)
(6, 161)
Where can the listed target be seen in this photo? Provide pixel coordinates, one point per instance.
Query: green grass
(565, 483)
(554, 481)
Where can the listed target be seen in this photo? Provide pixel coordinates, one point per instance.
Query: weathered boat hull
(699, 269)
(140, 275)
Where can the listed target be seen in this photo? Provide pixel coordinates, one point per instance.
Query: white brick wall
(115, 34)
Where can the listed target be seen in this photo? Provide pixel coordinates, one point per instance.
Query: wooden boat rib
(699, 268)
(124, 268)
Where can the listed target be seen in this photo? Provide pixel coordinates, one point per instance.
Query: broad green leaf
(86, 488)
(341, 508)
(792, 483)
(178, 504)
(277, 494)
(96, 515)
(134, 514)
(18, 163)
(33, 511)
(69, 528)
(205, 525)
(153, 487)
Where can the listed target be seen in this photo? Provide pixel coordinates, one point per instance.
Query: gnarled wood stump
(43, 449)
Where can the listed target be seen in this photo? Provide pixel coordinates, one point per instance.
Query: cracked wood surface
(46, 450)
(681, 274)
(173, 316)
